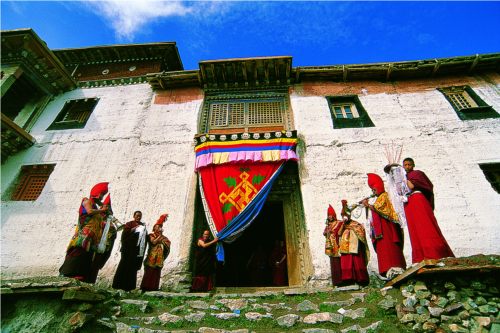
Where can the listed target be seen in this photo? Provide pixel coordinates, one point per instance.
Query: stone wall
(451, 303)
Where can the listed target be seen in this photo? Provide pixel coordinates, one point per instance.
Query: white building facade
(139, 137)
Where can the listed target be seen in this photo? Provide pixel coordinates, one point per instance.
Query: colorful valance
(212, 149)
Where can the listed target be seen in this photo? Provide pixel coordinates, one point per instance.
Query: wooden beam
(409, 272)
(255, 74)
(203, 68)
(162, 83)
(484, 268)
(474, 63)
(344, 73)
(224, 74)
(389, 71)
(244, 70)
(436, 67)
(214, 77)
(233, 72)
(288, 66)
(277, 71)
(266, 71)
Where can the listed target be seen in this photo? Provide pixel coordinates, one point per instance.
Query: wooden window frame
(245, 107)
(360, 117)
(79, 119)
(476, 108)
(343, 113)
(269, 120)
(31, 182)
(492, 174)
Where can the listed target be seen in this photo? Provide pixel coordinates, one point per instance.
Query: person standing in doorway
(204, 268)
(427, 241)
(133, 244)
(277, 261)
(332, 248)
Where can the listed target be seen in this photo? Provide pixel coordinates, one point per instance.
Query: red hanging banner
(228, 188)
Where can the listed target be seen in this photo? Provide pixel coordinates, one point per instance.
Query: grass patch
(269, 325)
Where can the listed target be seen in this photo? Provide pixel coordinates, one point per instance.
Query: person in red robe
(101, 256)
(278, 264)
(354, 252)
(332, 248)
(205, 263)
(133, 244)
(386, 233)
(427, 241)
(158, 250)
(79, 254)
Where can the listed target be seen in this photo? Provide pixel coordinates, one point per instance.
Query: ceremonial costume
(85, 240)
(386, 233)
(354, 252)
(108, 238)
(158, 250)
(332, 247)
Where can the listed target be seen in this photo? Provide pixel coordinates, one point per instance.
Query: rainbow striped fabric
(257, 147)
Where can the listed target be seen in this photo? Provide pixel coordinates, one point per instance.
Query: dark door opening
(258, 257)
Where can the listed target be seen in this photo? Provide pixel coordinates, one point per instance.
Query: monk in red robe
(158, 250)
(277, 261)
(79, 254)
(332, 248)
(386, 233)
(427, 241)
(354, 252)
(204, 269)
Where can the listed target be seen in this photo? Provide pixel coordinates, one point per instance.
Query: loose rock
(287, 320)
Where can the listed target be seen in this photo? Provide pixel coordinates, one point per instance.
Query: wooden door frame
(299, 265)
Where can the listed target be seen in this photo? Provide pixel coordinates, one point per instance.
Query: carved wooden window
(246, 113)
(467, 104)
(347, 112)
(459, 98)
(31, 181)
(74, 114)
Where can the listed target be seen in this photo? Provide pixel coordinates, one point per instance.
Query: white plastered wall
(144, 150)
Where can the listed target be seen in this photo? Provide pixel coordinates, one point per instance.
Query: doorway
(281, 218)
(250, 261)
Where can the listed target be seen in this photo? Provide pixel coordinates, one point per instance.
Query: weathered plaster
(145, 150)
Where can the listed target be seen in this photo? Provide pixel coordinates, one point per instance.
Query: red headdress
(331, 212)
(98, 189)
(375, 182)
(162, 219)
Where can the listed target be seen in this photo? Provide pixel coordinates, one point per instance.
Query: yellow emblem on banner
(241, 195)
